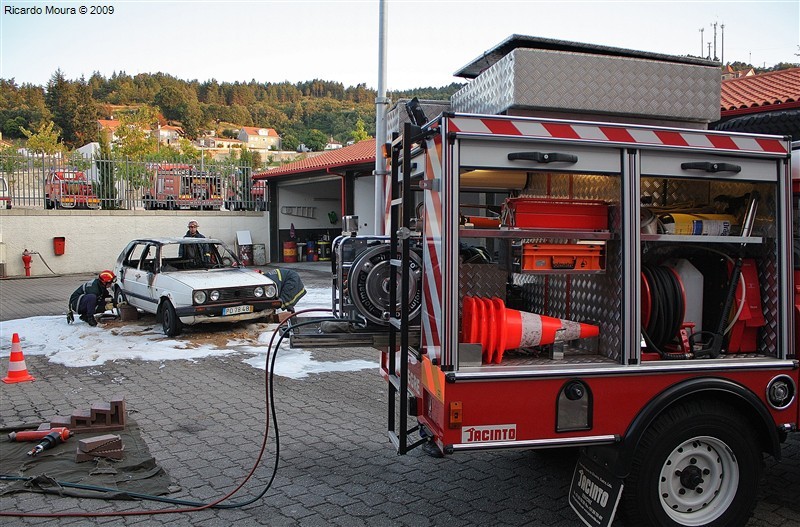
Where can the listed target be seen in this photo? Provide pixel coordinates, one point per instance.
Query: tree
(360, 133)
(107, 190)
(135, 142)
(13, 127)
(44, 140)
(315, 140)
(62, 102)
(133, 134)
(172, 101)
(84, 122)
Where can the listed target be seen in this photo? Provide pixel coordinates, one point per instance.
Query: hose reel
(369, 285)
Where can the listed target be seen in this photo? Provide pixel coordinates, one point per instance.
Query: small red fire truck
(630, 291)
(182, 186)
(69, 189)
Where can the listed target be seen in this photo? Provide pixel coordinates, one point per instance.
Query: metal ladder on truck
(401, 212)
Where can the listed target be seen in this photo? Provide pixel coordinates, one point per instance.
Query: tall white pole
(381, 105)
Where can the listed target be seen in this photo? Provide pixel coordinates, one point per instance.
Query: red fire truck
(182, 186)
(634, 298)
(69, 189)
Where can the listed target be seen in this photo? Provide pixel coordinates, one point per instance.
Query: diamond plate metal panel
(595, 299)
(593, 84)
(768, 278)
(484, 280)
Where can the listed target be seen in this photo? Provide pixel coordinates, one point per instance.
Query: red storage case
(572, 256)
(566, 214)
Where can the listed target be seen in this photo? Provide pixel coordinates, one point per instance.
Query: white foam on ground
(80, 345)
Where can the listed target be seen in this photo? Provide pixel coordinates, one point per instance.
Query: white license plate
(237, 310)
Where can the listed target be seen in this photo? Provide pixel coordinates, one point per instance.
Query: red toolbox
(571, 256)
(549, 213)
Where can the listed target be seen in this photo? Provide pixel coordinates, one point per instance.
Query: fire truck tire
(170, 323)
(698, 464)
(148, 203)
(171, 204)
(48, 204)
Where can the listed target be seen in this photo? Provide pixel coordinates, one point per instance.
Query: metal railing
(124, 184)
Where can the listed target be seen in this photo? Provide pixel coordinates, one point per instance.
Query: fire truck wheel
(170, 323)
(48, 204)
(699, 464)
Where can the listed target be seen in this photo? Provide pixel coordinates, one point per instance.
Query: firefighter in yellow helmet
(91, 298)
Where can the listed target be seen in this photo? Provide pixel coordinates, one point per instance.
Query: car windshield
(194, 256)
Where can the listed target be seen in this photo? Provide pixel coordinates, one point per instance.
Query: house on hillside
(259, 138)
(729, 73)
(108, 127)
(333, 144)
(168, 134)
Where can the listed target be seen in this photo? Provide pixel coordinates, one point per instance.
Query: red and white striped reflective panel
(615, 134)
(432, 319)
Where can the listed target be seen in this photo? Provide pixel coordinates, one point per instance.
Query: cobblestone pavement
(203, 422)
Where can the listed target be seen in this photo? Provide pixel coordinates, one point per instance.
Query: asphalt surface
(203, 421)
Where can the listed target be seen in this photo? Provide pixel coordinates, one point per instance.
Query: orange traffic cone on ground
(17, 371)
(496, 328)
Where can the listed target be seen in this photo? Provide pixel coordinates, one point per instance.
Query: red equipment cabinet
(635, 419)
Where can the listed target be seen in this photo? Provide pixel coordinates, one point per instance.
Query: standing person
(91, 298)
(193, 232)
(191, 251)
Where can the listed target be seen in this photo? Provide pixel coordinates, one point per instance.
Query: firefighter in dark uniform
(290, 287)
(91, 298)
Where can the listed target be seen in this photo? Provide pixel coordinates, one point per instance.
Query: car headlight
(258, 291)
(272, 291)
(214, 295)
(199, 297)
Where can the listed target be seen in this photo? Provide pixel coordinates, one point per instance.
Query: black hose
(666, 310)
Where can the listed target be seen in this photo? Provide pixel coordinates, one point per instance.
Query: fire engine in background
(69, 189)
(633, 297)
(237, 200)
(182, 186)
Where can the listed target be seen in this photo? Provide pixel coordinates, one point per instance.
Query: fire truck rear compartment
(595, 296)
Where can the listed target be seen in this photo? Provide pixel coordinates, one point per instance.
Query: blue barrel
(310, 250)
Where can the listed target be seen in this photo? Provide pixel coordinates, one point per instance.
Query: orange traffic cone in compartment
(496, 328)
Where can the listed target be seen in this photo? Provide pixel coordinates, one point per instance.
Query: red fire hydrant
(26, 261)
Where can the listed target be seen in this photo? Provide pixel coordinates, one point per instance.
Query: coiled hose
(667, 305)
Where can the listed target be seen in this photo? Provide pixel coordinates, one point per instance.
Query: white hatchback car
(191, 281)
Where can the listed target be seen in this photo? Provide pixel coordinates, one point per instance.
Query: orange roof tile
(360, 153)
(111, 124)
(759, 93)
(253, 130)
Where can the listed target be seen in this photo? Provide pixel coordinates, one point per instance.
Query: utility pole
(701, 41)
(722, 27)
(709, 50)
(715, 40)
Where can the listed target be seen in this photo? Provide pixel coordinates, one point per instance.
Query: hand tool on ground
(49, 441)
(38, 435)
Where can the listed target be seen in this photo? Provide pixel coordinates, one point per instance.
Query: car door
(139, 279)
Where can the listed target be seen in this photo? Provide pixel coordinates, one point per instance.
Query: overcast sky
(428, 40)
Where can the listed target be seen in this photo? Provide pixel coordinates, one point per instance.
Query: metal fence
(78, 182)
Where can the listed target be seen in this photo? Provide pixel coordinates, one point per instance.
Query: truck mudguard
(617, 458)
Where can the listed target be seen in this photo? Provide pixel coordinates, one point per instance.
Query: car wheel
(170, 322)
(119, 296)
(699, 464)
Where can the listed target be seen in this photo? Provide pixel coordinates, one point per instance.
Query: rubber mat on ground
(137, 472)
